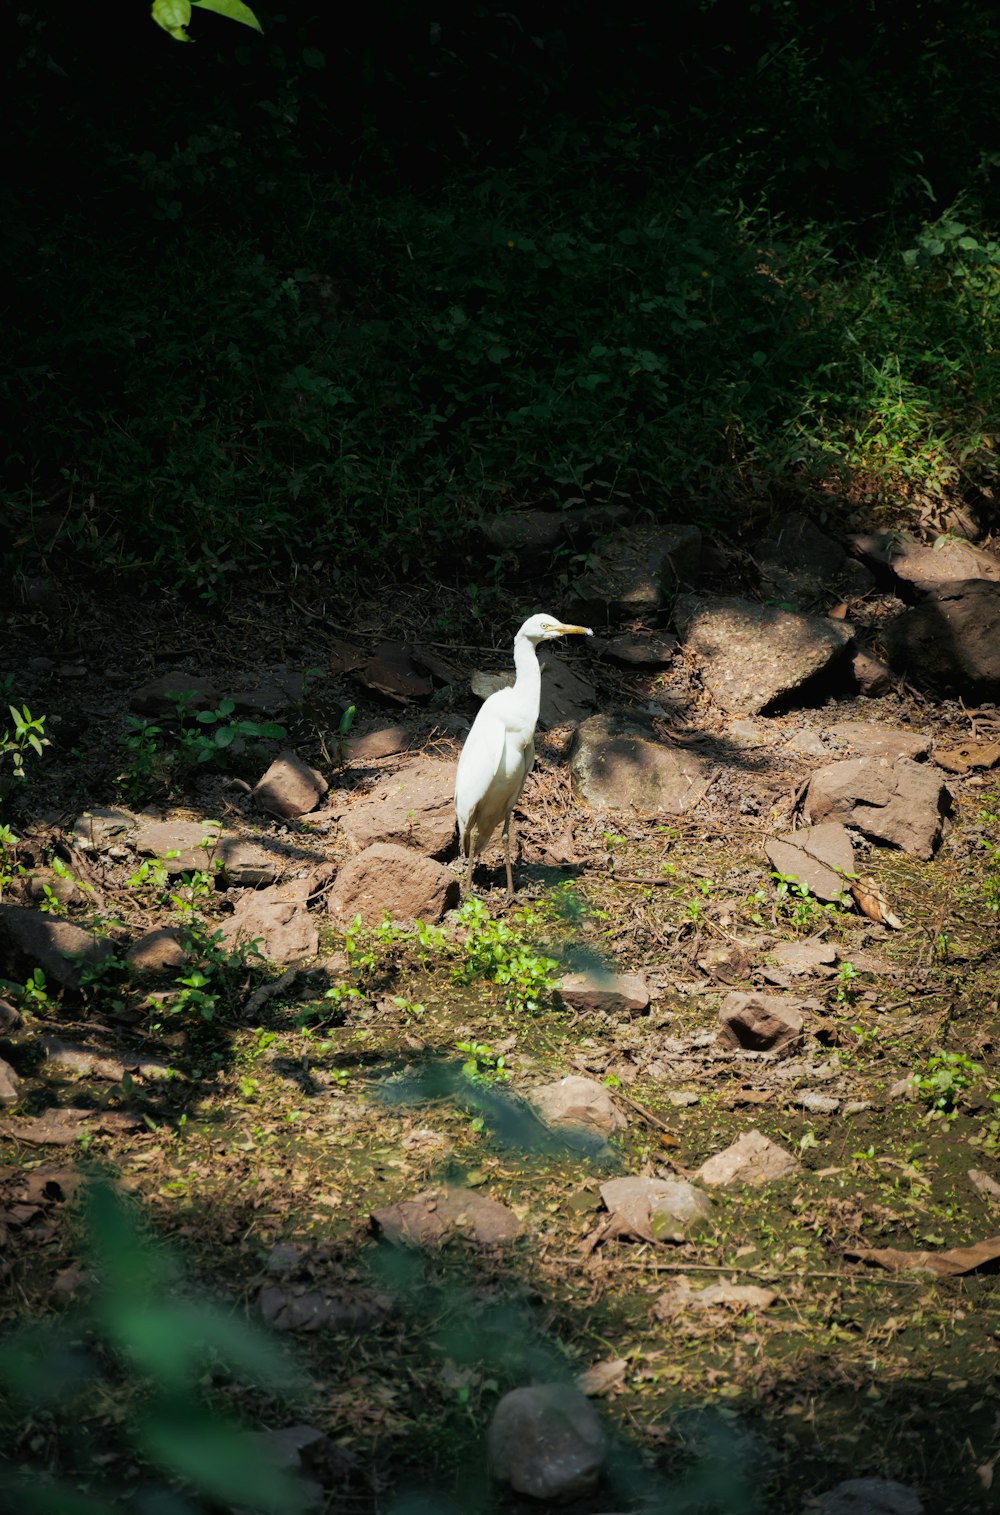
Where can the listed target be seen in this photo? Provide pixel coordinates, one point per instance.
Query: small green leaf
(173, 16)
(234, 9)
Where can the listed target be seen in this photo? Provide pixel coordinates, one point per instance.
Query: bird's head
(541, 628)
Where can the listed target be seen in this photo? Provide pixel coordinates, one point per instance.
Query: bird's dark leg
(465, 883)
(506, 857)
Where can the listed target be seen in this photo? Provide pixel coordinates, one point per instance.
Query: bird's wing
(476, 778)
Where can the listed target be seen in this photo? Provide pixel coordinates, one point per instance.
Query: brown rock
(617, 765)
(290, 787)
(576, 1101)
(9, 1084)
(800, 563)
(439, 1215)
(608, 993)
(30, 939)
(64, 1127)
(950, 642)
(96, 829)
(759, 1022)
(547, 1441)
(865, 739)
(870, 1496)
(81, 1062)
(377, 744)
(924, 565)
(394, 880)
(635, 570)
(11, 1019)
(818, 856)
(902, 803)
(803, 957)
(182, 846)
(657, 1209)
(414, 807)
(278, 921)
(751, 1159)
(566, 696)
(65, 891)
(391, 671)
(246, 864)
(289, 1307)
(873, 677)
(749, 655)
(159, 951)
(633, 651)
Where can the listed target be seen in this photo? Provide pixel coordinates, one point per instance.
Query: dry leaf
(948, 1264)
(602, 1377)
(969, 756)
(984, 1183)
(872, 902)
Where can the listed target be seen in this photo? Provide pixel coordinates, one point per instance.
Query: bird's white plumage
(500, 749)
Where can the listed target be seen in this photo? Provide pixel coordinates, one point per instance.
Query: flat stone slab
(566, 698)
(749, 656)
(413, 807)
(32, 939)
(182, 846)
(578, 1101)
(752, 1159)
(633, 573)
(609, 993)
(618, 765)
(440, 1215)
(926, 565)
(657, 1209)
(866, 739)
(98, 828)
(818, 856)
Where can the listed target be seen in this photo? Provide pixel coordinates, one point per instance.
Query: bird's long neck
(529, 675)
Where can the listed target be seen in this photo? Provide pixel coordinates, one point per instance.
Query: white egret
(500, 749)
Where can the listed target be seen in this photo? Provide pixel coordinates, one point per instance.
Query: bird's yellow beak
(582, 631)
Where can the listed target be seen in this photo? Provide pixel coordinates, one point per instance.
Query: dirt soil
(379, 1071)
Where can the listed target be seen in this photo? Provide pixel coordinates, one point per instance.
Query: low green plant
(35, 994)
(846, 992)
(482, 1065)
(26, 734)
(204, 737)
(501, 953)
(9, 844)
(946, 1077)
(796, 903)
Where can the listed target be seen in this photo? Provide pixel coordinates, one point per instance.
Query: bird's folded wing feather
(478, 764)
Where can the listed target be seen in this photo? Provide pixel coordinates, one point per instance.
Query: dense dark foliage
(335, 290)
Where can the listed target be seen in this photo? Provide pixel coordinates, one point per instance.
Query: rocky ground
(672, 1186)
